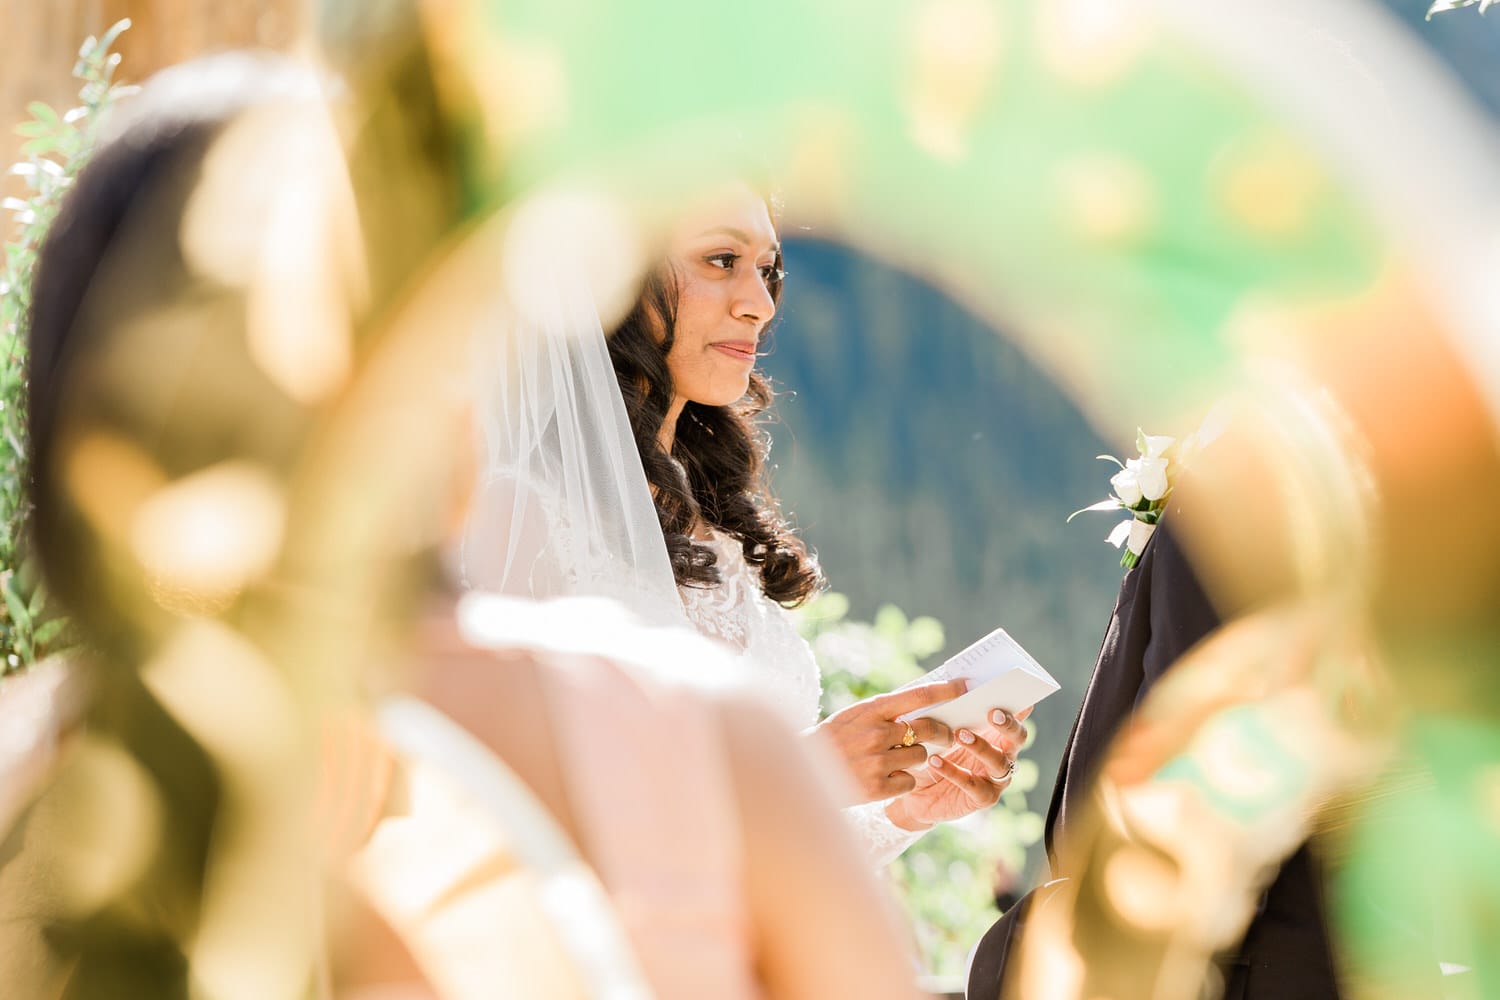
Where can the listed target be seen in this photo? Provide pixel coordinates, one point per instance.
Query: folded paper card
(1000, 674)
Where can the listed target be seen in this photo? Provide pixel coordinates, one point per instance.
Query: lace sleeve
(884, 841)
(737, 614)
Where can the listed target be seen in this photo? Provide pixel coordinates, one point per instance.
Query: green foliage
(947, 880)
(57, 147)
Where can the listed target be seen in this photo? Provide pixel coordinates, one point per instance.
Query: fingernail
(964, 736)
(998, 716)
(935, 761)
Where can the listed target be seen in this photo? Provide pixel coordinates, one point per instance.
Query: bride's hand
(970, 776)
(870, 740)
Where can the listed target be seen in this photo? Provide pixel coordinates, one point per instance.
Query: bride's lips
(740, 350)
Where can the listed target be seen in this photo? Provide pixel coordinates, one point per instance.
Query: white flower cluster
(1144, 477)
(1141, 488)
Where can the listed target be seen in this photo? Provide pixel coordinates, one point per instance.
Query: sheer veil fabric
(562, 507)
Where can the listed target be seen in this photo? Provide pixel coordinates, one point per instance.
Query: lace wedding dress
(781, 663)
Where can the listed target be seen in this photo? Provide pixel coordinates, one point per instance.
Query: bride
(632, 466)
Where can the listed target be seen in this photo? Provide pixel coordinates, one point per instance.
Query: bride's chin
(727, 394)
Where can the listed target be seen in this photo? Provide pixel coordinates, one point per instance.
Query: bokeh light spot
(1487, 789)
(1092, 43)
(1143, 888)
(1268, 185)
(571, 236)
(205, 537)
(109, 478)
(292, 246)
(955, 52)
(234, 702)
(300, 327)
(1108, 199)
(107, 815)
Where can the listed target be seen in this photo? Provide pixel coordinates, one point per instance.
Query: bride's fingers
(912, 698)
(888, 773)
(929, 731)
(1008, 729)
(997, 761)
(897, 783)
(902, 758)
(1002, 778)
(979, 787)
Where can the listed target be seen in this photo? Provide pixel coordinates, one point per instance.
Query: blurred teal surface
(933, 466)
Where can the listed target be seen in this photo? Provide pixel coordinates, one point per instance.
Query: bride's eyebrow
(738, 234)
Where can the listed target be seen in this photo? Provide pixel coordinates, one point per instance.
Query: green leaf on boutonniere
(1110, 458)
(1140, 441)
(1445, 5)
(1109, 504)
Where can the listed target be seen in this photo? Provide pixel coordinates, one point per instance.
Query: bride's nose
(752, 299)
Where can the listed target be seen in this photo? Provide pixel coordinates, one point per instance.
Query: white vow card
(1000, 674)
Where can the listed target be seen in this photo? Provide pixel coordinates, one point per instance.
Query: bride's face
(727, 259)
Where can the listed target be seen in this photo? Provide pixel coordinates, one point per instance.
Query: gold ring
(909, 737)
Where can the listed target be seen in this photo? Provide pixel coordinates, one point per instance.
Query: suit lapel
(1104, 703)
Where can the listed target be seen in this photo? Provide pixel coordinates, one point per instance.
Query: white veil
(561, 505)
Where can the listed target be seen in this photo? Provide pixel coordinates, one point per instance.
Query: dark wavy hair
(716, 472)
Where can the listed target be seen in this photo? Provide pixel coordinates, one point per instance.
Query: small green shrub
(57, 146)
(946, 881)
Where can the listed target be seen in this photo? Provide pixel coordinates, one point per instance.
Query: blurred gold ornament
(1051, 967)
(102, 823)
(228, 696)
(109, 478)
(292, 244)
(1143, 888)
(257, 934)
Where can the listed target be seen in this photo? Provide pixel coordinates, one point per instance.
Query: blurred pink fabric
(662, 826)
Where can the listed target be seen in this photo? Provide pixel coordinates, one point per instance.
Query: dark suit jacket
(1161, 613)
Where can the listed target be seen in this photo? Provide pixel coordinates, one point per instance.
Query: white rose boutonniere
(1141, 488)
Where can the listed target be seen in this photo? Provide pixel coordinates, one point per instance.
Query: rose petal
(1151, 475)
(1156, 445)
(1126, 485)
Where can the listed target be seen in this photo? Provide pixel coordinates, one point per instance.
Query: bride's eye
(771, 274)
(723, 261)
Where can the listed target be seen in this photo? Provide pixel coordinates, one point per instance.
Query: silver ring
(1006, 776)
